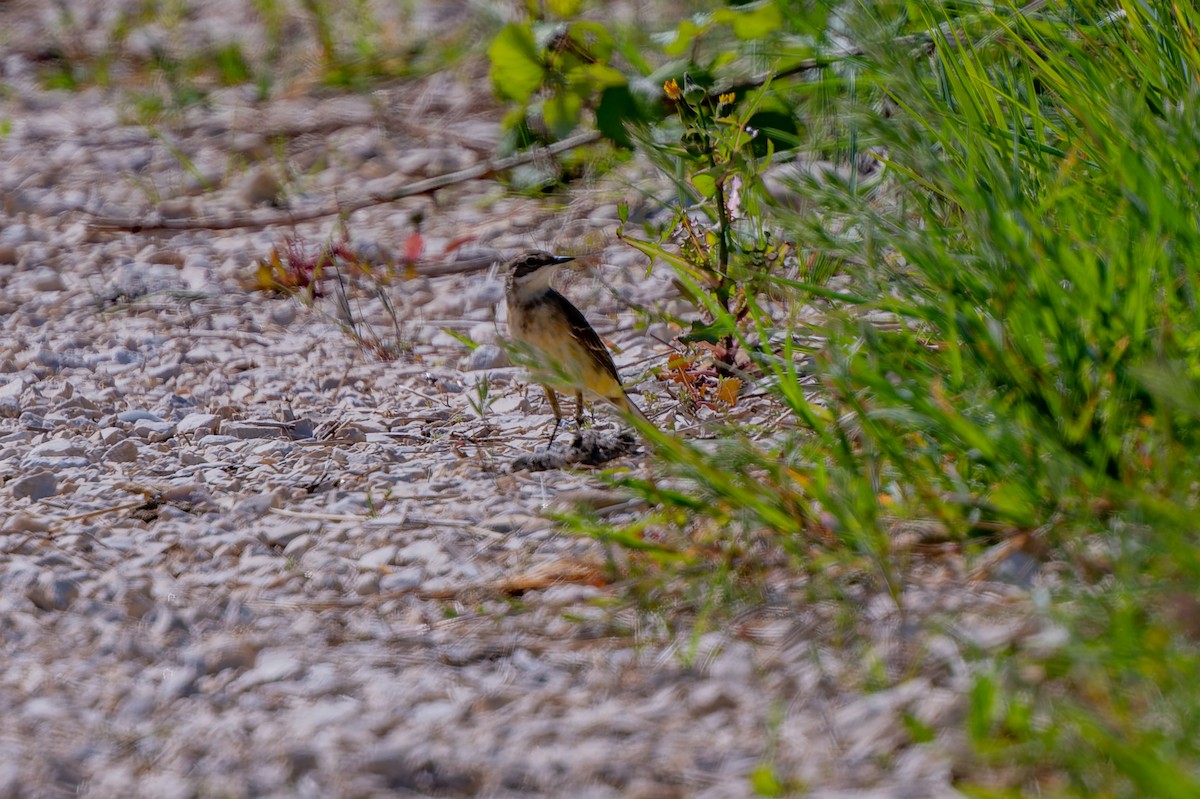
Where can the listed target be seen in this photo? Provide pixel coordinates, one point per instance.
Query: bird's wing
(585, 334)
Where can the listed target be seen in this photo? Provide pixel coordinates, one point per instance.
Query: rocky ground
(240, 555)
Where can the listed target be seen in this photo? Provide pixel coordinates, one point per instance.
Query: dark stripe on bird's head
(534, 260)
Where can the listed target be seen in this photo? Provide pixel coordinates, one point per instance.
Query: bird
(568, 348)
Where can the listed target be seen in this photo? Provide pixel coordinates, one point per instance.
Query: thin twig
(152, 221)
(101, 511)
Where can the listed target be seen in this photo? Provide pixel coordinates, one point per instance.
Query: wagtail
(571, 353)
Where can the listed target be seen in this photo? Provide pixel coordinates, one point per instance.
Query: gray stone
(56, 464)
(246, 432)
(433, 161)
(10, 771)
(301, 429)
(300, 760)
(488, 356)
(154, 431)
(21, 234)
(299, 545)
(200, 355)
(177, 208)
(32, 420)
(1017, 568)
(402, 580)
(225, 652)
(710, 697)
(261, 187)
(110, 435)
(483, 333)
(272, 665)
(485, 293)
(166, 371)
(135, 599)
(52, 592)
(57, 448)
(427, 552)
(379, 557)
(604, 213)
(12, 388)
(281, 535)
(252, 145)
(256, 505)
(167, 624)
(283, 313)
(198, 424)
(367, 584)
(124, 356)
(135, 415)
(446, 305)
(24, 523)
(178, 682)
(122, 452)
(216, 441)
(46, 279)
(35, 486)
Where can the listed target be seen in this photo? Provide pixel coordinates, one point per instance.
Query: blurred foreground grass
(1013, 360)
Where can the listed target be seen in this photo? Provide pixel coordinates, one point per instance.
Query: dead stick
(151, 222)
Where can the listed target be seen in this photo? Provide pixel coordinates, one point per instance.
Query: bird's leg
(579, 410)
(550, 395)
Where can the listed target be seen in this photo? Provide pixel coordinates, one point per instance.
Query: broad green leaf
(711, 332)
(564, 8)
(594, 38)
(753, 21)
(616, 109)
(517, 70)
(1013, 504)
(561, 113)
(603, 76)
(705, 184)
(765, 782)
(685, 34)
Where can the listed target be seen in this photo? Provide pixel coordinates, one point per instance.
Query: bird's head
(534, 269)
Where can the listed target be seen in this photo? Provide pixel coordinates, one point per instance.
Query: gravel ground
(241, 557)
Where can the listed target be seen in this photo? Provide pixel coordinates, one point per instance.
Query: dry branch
(152, 221)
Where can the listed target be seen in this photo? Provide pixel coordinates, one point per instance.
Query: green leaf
(466, 341)
(517, 133)
(711, 332)
(765, 782)
(984, 699)
(705, 184)
(774, 127)
(920, 732)
(594, 38)
(623, 212)
(617, 108)
(753, 21)
(517, 69)
(682, 40)
(564, 8)
(561, 113)
(603, 76)
(1013, 504)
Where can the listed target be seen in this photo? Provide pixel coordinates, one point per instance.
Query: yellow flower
(672, 89)
(727, 98)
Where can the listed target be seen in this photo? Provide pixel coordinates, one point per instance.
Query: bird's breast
(541, 326)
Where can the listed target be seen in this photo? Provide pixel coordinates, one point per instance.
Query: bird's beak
(562, 259)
